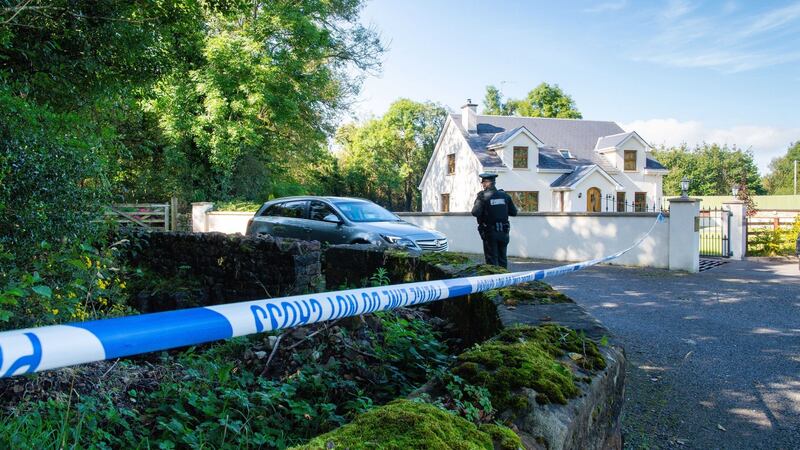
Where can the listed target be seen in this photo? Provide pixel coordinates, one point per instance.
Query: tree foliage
(137, 100)
(384, 158)
(544, 100)
(713, 169)
(780, 179)
(264, 94)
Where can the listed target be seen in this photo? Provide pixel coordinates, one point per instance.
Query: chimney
(469, 116)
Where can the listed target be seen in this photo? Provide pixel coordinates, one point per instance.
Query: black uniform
(492, 208)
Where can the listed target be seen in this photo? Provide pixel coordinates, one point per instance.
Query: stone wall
(474, 316)
(214, 268)
(589, 421)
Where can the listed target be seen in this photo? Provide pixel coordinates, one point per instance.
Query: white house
(545, 164)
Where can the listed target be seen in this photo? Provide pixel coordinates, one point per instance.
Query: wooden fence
(769, 232)
(773, 219)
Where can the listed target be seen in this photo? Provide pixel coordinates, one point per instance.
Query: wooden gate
(152, 216)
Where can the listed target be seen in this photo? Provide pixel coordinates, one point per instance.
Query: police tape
(37, 349)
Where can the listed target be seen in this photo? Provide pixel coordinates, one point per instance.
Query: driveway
(714, 357)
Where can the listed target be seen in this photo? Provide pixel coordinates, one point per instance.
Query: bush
(780, 242)
(237, 205)
(51, 175)
(215, 397)
(75, 282)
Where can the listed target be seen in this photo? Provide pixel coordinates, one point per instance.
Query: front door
(593, 200)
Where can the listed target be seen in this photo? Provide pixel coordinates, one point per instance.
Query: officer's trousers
(495, 245)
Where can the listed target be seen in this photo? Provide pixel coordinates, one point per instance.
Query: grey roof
(577, 135)
(499, 138)
(613, 140)
(651, 163)
(568, 179)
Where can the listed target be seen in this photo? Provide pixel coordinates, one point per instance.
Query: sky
(674, 71)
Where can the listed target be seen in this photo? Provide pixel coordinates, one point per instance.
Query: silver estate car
(341, 220)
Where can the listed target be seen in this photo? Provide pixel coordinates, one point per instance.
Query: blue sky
(675, 71)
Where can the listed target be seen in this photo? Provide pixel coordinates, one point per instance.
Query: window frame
(637, 205)
(625, 160)
(451, 164)
(514, 157)
(279, 208)
(523, 203)
(330, 208)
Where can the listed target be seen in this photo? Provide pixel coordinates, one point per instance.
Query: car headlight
(397, 240)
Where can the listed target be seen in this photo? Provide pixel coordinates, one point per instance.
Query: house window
(620, 202)
(520, 157)
(525, 201)
(630, 160)
(445, 202)
(565, 153)
(640, 202)
(451, 164)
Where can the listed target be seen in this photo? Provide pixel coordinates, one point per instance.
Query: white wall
(463, 186)
(635, 181)
(227, 221)
(562, 237)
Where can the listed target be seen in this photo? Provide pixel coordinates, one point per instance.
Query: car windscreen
(365, 212)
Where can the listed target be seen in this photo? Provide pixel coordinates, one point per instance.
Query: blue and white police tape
(37, 349)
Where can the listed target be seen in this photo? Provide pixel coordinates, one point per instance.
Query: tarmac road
(714, 357)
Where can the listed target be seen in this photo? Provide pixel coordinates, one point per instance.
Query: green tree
(137, 100)
(384, 158)
(71, 75)
(713, 169)
(493, 102)
(263, 98)
(544, 100)
(780, 179)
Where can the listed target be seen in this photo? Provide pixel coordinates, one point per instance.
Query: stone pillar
(684, 237)
(200, 216)
(737, 232)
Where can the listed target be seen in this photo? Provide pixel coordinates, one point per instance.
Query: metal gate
(714, 227)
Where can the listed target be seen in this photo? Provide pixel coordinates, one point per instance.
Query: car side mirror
(332, 218)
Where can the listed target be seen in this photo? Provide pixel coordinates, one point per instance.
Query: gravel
(714, 357)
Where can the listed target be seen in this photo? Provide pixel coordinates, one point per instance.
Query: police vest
(497, 208)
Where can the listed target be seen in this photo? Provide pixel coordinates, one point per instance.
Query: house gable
(519, 139)
(613, 148)
(568, 182)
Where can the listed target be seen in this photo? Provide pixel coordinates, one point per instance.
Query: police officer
(492, 208)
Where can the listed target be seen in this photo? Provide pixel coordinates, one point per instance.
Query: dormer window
(630, 160)
(565, 153)
(520, 157)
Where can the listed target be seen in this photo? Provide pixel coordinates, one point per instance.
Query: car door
(287, 219)
(325, 225)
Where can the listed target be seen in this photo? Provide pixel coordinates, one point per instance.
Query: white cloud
(723, 39)
(607, 6)
(677, 8)
(765, 142)
(772, 20)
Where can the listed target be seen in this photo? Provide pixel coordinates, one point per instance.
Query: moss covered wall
(573, 391)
